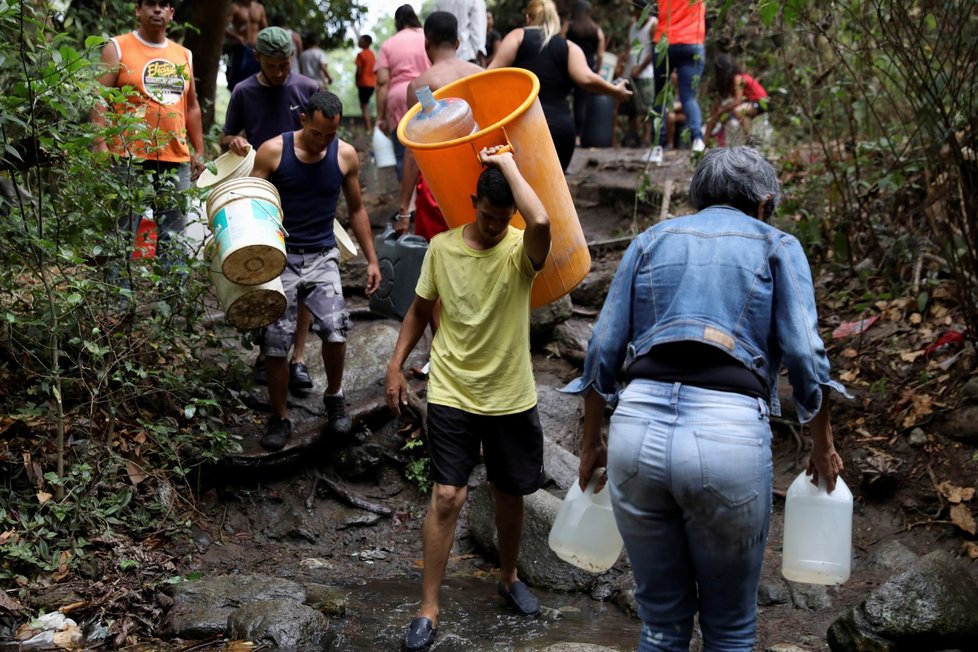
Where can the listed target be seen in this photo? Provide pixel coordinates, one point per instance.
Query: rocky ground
(337, 524)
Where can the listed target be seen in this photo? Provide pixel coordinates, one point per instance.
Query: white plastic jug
(383, 150)
(817, 532)
(440, 120)
(584, 532)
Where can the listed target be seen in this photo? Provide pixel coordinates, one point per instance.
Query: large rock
(280, 624)
(546, 317)
(961, 424)
(537, 564)
(201, 608)
(933, 605)
(594, 288)
(559, 464)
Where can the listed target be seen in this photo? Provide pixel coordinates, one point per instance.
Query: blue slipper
(520, 598)
(419, 636)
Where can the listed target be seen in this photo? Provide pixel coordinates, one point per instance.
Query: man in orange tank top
(160, 72)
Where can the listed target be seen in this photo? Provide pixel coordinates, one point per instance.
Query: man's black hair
(441, 28)
(492, 185)
(368, 38)
(326, 103)
(162, 3)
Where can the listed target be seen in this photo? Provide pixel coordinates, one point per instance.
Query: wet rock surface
(932, 605)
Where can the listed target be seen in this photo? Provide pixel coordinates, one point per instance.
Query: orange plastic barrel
(505, 105)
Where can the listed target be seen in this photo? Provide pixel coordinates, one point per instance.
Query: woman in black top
(559, 64)
(582, 30)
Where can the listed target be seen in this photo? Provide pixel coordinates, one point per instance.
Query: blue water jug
(400, 265)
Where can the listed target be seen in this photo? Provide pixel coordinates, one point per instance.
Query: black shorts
(512, 445)
(366, 92)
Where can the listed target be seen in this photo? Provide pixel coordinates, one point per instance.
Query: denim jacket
(721, 278)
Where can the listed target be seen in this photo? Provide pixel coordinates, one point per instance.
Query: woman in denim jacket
(701, 315)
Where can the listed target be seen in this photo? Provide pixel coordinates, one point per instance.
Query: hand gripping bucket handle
(506, 107)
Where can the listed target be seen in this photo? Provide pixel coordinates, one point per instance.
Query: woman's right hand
(826, 463)
(592, 459)
(621, 91)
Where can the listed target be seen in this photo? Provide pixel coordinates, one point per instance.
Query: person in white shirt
(312, 61)
(471, 16)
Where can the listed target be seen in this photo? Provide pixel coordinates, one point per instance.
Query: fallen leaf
(853, 327)
(5, 536)
(971, 548)
(956, 494)
(43, 497)
(136, 474)
(8, 603)
(849, 353)
(910, 356)
(962, 517)
(915, 318)
(238, 646)
(849, 376)
(921, 407)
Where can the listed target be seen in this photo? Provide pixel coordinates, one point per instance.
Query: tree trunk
(209, 17)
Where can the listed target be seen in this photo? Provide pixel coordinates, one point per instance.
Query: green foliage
(418, 469)
(330, 19)
(876, 105)
(109, 405)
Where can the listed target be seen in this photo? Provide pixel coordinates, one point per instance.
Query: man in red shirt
(366, 77)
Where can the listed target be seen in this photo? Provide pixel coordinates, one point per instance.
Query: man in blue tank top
(309, 168)
(261, 107)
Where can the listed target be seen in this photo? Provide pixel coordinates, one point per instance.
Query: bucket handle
(508, 147)
(274, 217)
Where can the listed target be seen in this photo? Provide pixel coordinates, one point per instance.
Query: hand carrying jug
(817, 532)
(584, 532)
(383, 150)
(440, 120)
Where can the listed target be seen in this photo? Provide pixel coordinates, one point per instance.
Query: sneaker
(654, 156)
(339, 420)
(277, 432)
(299, 378)
(698, 146)
(258, 372)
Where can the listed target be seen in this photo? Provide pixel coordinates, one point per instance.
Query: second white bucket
(247, 307)
(245, 216)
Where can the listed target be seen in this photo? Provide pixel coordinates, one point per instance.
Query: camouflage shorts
(313, 279)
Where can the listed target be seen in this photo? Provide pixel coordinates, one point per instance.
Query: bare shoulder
(268, 157)
(349, 160)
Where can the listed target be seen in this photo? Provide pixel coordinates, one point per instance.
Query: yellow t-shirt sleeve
(426, 288)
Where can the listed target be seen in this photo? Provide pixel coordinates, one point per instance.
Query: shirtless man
(246, 18)
(440, 43)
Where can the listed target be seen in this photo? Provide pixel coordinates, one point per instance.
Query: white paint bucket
(247, 307)
(245, 216)
(228, 166)
(348, 249)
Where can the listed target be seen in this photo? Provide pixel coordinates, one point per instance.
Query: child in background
(740, 95)
(366, 78)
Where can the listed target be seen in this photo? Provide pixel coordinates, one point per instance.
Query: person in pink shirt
(402, 57)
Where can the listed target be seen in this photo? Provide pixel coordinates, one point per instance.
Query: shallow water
(475, 619)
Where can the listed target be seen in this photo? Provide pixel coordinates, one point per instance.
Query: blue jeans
(688, 61)
(690, 474)
(398, 154)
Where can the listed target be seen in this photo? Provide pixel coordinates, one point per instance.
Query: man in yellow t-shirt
(481, 391)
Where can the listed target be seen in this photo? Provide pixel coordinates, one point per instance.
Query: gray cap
(274, 42)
